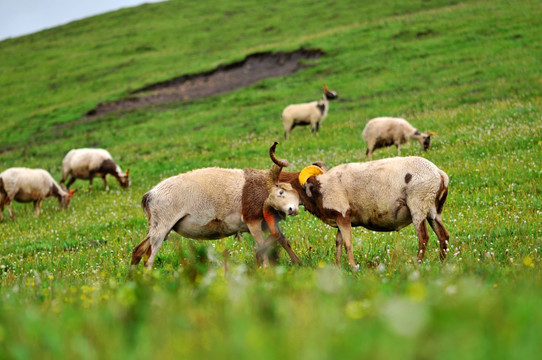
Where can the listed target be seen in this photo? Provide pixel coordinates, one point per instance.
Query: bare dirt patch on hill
(223, 79)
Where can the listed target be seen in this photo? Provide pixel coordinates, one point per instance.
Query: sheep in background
(89, 163)
(386, 131)
(26, 185)
(312, 113)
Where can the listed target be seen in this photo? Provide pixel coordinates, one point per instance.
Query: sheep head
(66, 198)
(330, 95)
(124, 179)
(424, 139)
(282, 197)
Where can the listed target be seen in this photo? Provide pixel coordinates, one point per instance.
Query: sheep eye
(281, 192)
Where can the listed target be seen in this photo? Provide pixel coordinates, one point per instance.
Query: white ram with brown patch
(29, 185)
(381, 195)
(387, 131)
(88, 163)
(214, 203)
(311, 113)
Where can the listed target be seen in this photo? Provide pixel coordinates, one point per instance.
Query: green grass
(468, 70)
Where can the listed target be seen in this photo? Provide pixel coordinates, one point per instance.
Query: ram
(387, 131)
(214, 203)
(381, 195)
(29, 185)
(311, 113)
(89, 163)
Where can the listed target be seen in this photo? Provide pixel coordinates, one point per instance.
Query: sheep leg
(423, 237)
(255, 228)
(288, 130)
(144, 248)
(345, 228)
(37, 206)
(261, 252)
(442, 234)
(286, 245)
(274, 227)
(70, 182)
(155, 239)
(10, 211)
(338, 247)
(105, 182)
(3, 199)
(90, 179)
(370, 148)
(398, 149)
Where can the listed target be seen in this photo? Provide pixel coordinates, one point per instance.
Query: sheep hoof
(355, 268)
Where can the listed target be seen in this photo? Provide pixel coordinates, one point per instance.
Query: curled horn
(277, 166)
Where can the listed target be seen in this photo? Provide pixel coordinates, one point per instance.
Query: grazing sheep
(312, 113)
(25, 185)
(381, 195)
(386, 131)
(88, 163)
(214, 203)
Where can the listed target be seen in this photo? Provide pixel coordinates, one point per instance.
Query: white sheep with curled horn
(311, 113)
(213, 203)
(381, 195)
(387, 131)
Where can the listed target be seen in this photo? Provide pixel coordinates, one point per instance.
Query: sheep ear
(325, 88)
(72, 191)
(432, 134)
(127, 172)
(308, 172)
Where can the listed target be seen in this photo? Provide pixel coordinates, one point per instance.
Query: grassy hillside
(468, 70)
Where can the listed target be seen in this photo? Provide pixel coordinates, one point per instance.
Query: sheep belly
(28, 196)
(211, 228)
(394, 218)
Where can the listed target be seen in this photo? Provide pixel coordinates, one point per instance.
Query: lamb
(25, 185)
(214, 203)
(381, 195)
(312, 113)
(87, 163)
(386, 131)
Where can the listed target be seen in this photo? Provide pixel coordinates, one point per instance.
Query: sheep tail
(145, 203)
(443, 192)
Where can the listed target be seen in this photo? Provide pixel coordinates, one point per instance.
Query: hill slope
(468, 70)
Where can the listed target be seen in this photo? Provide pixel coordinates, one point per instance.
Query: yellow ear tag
(309, 171)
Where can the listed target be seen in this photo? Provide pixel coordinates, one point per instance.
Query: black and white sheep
(311, 113)
(386, 131)
(88, 163)
(381, 195)
(29, 185)
(214, 203)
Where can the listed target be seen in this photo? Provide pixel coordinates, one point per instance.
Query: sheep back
(376, 192)
(25, 185)
(385, 131)
(81, 162)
